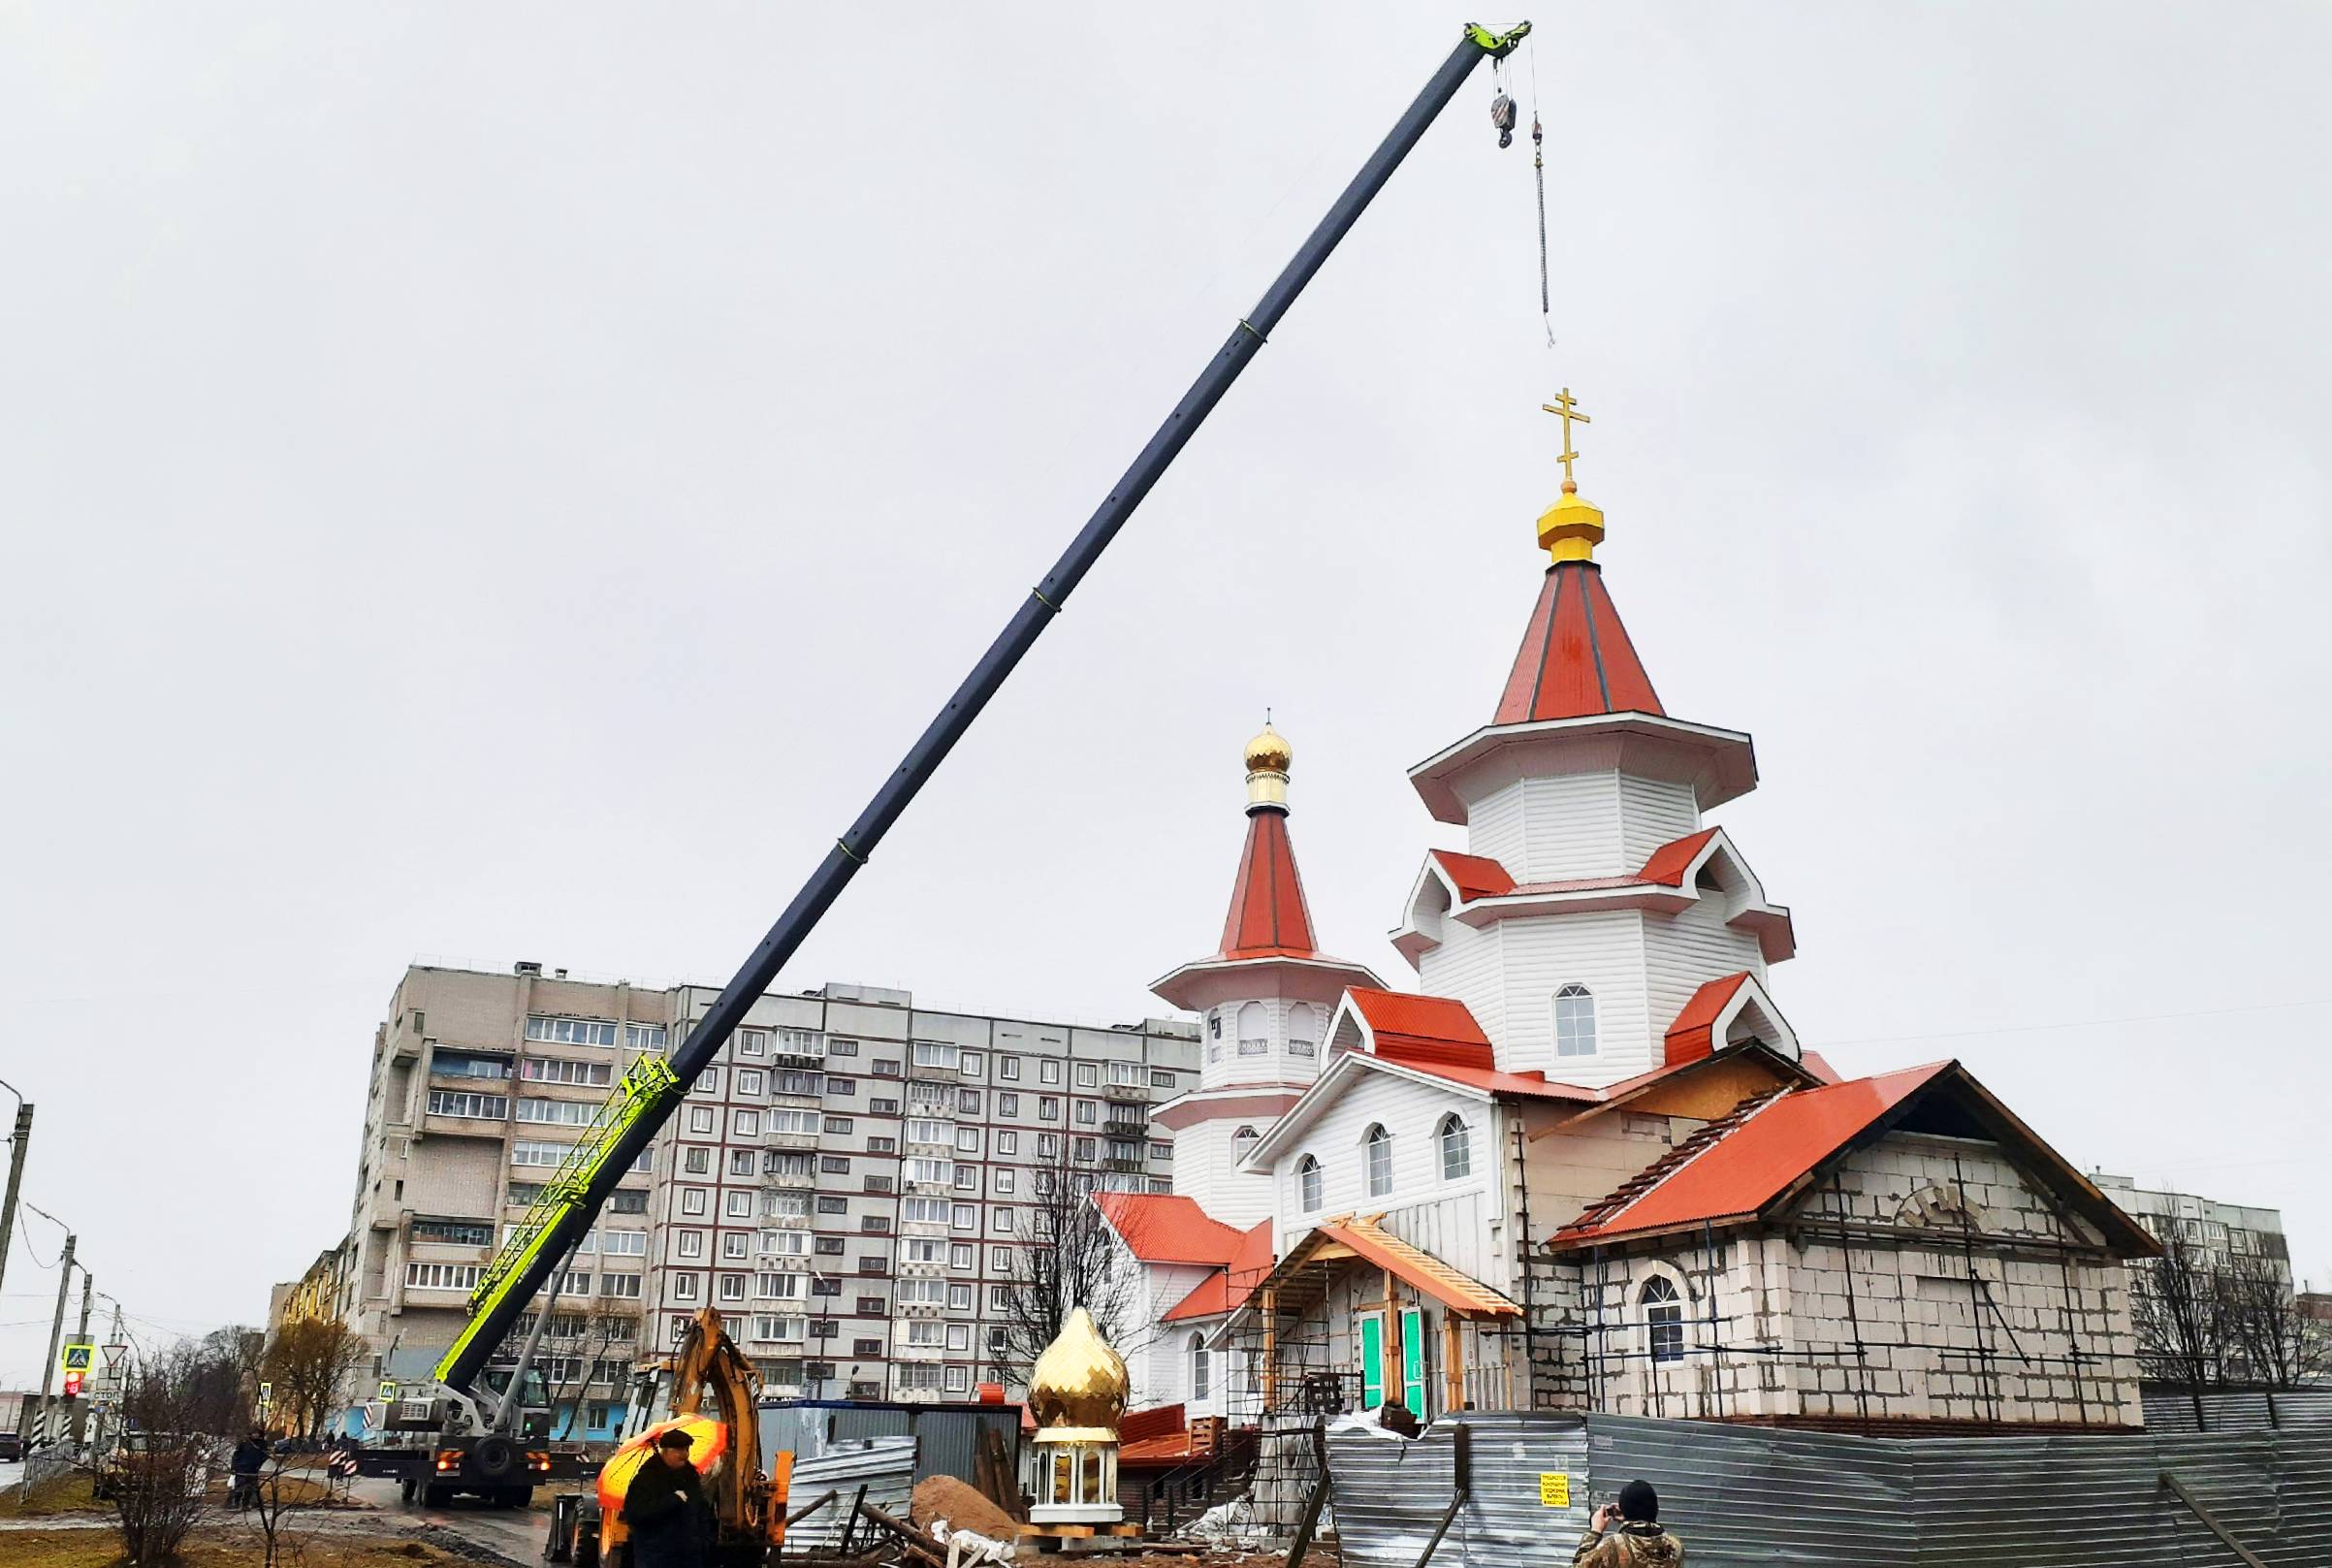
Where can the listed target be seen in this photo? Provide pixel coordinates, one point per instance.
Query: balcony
(912, 1268)
(1117, 1127)
(1121, 1165)
(931, 1100)
(791, 1178)
(791, 1140)
(797, 1088)
(1129, 1094)
(904, 1350)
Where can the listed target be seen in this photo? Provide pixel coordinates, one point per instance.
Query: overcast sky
(507, 481)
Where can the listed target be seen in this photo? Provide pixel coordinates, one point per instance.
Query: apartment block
(841, 1181)
(2220, 1233)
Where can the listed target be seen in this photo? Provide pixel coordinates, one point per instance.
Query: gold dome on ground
(1078, 1381)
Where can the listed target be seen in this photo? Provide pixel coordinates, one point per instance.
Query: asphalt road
(514, 1533)
(11, 1473)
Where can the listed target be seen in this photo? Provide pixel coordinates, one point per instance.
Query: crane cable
(1538, 165)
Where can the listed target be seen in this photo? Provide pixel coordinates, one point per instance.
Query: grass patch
(215, 1548)
(67, 1493)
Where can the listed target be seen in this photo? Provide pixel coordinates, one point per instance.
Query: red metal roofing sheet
(1164, 1228)
(1476, 876)
(1669, 863)
(1692, 1036)
(1576, 658)
(1269, 918)
(1754, 1163)
(1226, 1289)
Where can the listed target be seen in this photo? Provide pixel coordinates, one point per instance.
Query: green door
(1372, 1360)
(1412, 1360)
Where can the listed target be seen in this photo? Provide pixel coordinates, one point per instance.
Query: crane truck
(474, 1445)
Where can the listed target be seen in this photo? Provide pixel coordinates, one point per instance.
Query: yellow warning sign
(77, 1358)
(1554, 1488)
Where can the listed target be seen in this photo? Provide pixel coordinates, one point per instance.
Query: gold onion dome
(1078, 1381)
(1267, 756)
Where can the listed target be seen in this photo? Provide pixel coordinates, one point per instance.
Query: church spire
(1267, 916)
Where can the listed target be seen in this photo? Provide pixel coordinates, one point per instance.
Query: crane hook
(1502, 116)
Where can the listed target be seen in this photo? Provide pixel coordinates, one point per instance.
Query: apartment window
(793, 1082)
(708, 1082)
(753, 1042)
(1008, 1143)
(1574, 1021)
(875, 1224)
(1378, 1146)
(1007, 1105)
(937, 1172)
(683, 1286)
(882, 1145)
(1309, 1183)
(864, 1346)
(972, 1064)
(695, 1200)
(966, 1140)
(442, 1276)
(842, 1086)
(1088, 1112)
(922, 1291)
(924, 1333)
(571, 1283)
(453, 1233)
(526, 1151)
(1048, 1146)
(732, 1287)
(946, 1058)
(959, 1336)
(1161, 1151)
(828, 1247)
(1001, 1224)
(1084, 1151)
(1160, 1078)
(837, 1047)
(999, 1259)
(462, 1102)
(882, 1107)
(523, 1194)
(745, 1124)
(1007, 1068)
(570, 1031)
(420, 1022)
(1000, 1298)
(1457, 1150)
(924, 1210)
(1003, 1181)
(1663, 1320)
(834, 1123)
(701, 1118)
(1048, 1109)
(752, 1080)
(958, 1379)
(558, 1070)
(1048, 1069)
(735, 1246)
(788, 1123)
(619, 1284)
(885, 1070)
(625, 1200)
(643, 1036)
(963, 1217)
(873, 1263)
(926, 1131)
(828, 1203)
(1089, 1073)
(690, 1244)
(959, 1298)
(960, 1253)
(926, 1250)
(834, 1165)
(740, 1206)
(697, 1162)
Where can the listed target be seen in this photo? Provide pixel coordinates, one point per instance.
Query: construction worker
(664, 1507)
(1627, 1534)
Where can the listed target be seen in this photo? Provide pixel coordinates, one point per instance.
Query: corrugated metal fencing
(885, 1465)
(948, 1434)
(1761, 1495)
(2168, 1411)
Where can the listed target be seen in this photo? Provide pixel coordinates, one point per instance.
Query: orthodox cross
(1568, 407)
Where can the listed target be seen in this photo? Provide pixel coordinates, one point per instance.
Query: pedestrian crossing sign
(388, 1391)
(77, 1359)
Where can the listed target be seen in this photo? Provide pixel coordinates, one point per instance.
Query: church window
(1457, 1152)
(1379, 1144)
(1663, 1321)
(1574, 1021)
(1200, 1380)
(1242, 1143)
(1255, 1030)
(1307, 1183)
(1303, 1030)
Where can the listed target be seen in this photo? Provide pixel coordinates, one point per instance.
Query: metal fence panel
(2169, 1411)
(1390, 1494)
(885, 1465)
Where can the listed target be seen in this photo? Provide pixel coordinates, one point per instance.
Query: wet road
(514, 1533)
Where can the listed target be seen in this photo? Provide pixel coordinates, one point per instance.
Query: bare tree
(1065, 1257)
(2179, 1306)
(157, 1485)
(309, 1362)
(234, 1359)
(570, 1361)
(2267, 1335)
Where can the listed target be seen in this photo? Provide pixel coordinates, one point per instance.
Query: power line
(2075, 1023)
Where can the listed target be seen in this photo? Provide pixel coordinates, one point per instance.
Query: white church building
(1585, 1163)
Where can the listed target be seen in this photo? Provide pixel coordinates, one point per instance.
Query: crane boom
(635, 1112)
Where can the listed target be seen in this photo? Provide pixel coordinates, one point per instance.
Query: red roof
(1226, 1288)
(1476, 876)
(1412, 1028)
(1693, 1035)
(1576, 658)
(1268, 917)
(1757, 1160)
(1669, 863)
(1160, 1229)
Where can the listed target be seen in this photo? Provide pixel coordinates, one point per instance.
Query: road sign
(114, 1354)
(77, 1358)
(388, 1391)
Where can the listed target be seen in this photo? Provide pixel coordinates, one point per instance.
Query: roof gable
(1162, 1229)
(1228, 1288)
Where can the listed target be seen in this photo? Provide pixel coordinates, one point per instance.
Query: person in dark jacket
(250, 1457)
(1627, 1534)
(664, 1509)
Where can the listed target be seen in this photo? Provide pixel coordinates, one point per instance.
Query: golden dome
(1078, 1381)
(1267, 756)
(1571, 527)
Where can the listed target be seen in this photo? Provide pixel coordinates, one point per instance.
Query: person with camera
(1627, 1534)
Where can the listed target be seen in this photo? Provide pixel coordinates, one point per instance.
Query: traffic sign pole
(56, 1331)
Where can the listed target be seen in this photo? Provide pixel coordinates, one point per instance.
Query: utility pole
(56, 1330)
(19, 1143)
(80, 1336)
(110, 1404)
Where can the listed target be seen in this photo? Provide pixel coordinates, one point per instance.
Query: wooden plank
(1453, 1363)
(2210, 1522)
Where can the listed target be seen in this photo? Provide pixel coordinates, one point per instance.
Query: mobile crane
(474, 1447)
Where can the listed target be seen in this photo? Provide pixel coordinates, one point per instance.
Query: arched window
(1663, 1320)
(1307, 1183)
(1255, 1030)
(1199, 1381)
(1379, 1146)
(1574, 1021)
(1303, 1030)
(1242, 1143)
(1457, 1152)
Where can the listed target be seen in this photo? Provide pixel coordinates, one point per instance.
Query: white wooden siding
(1653, 812)
(1603, 951)
(1570, 828)
(1684, 953)
(1221, 1066)
(1493, 827)
(1205, 1172)
(1467, 966)
(1410, 1111)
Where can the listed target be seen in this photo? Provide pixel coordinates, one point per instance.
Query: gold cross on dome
(1568, 407)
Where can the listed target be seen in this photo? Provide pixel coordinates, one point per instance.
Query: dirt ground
(216, 1549)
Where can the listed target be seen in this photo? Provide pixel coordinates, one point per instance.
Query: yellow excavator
(747, 1500)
